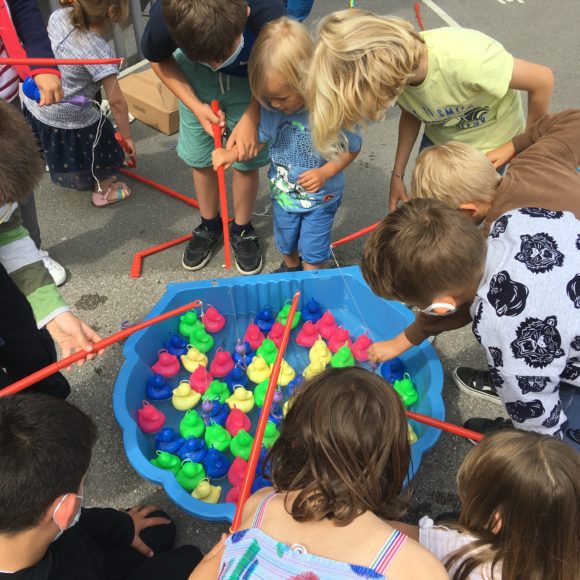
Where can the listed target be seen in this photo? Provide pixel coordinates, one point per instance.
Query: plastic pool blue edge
(220, 512)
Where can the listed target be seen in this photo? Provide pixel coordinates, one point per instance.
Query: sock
(213, 224)
(237, 229)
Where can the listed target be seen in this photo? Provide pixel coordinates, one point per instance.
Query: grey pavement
(97, 245)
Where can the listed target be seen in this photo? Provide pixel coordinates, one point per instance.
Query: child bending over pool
(306, 189)
(338, 471)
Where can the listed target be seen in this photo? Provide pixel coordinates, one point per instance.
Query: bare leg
(308, 266)
(206, 189)
(245, 189)
(292, 260)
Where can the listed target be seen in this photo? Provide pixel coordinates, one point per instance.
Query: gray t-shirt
(69, 42)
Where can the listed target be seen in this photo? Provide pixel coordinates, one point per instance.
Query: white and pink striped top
(8, 78)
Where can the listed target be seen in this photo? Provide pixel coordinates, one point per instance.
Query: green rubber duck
(201, 339)
(241, 444)
(167, 461)
(283, 316)
(217, 391)
(190, 475)
(342, 358)
(191, 425)
(406, 390)
(217, 437)
(188, 323)
(260, 392)
(271, 433)
(268, 351)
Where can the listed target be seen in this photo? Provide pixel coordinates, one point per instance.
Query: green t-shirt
(466, 95)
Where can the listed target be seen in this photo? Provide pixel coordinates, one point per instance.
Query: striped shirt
(8, 78)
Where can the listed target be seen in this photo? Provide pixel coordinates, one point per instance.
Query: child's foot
(114, 192)
(57, 272)
(487, 426)
(247, 254)
(200, 248)
(476, 383)
(285, 268)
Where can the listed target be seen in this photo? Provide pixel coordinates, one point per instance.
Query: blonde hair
(360, 65)
(87, 13)
(531, 482)
(454, 173)
(284, 47)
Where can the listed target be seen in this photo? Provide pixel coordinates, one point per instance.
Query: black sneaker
(247, 254)
(475, 382)
(285, 268)
(200, 248)
(487, 426)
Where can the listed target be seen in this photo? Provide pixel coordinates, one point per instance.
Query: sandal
(117, 191)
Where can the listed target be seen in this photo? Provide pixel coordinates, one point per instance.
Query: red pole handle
(221, 175)
(82, 354)
(355, 235)
(121, 140)
(58, 61)
(444, 426)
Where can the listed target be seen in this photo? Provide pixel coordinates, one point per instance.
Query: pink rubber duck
(167, 365)
(360, 347)
(213, 320)
(200, 379)
(275, 335)
(254, 336)
(237, 420)
(326, 326)
(339, 338)
(237, 471)
(234, 494)
(150, 419)
(308, 335)
(222, 363)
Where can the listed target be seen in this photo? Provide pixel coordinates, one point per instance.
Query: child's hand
(223, 158)
(141, 522)
(209, 566)
(245, 138)
(385, 350)
(131, 150)
(398, 192)
(313, 179)
(502, 154)
(50, 88)
(207, 118)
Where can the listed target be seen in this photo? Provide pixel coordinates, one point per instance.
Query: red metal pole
(418, 15)
(355, 235)
(221, 174)
(444, 426)
(255, 452)
(58, 61)
(80, 355)
(138, 256)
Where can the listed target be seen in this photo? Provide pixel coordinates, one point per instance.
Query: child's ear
(497, 524)
(66, 511)
(470, 209)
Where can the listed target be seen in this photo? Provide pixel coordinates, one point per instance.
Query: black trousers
(23, 348)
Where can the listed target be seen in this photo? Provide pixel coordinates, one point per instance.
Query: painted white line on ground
(441, 13)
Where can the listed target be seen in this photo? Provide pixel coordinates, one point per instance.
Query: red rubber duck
(222, 363)
(308, 335)
(237, 471)
(339, 338)
(213, 320)
(150, 419)
(200, 379)
(167, 365)
(275, 335)
(360, 347)
(237, 420)
(326, 326)
(254, 336)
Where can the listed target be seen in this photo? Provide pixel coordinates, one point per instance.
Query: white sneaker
(57, 272)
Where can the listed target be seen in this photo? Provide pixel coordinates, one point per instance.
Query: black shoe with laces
(200, 248)
(247, 254)
(487, 426)
(285, 268)
(476, 383)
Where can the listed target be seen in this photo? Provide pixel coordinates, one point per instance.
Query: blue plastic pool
(343, 292)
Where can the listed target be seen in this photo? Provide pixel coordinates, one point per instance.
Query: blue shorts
(308, 232)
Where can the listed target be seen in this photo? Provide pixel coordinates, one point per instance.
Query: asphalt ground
(97, 245)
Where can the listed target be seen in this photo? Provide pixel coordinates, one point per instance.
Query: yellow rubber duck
(184, 398)
(286, 406)
(207, 492)
(258, 370)
(313, 369)
(193, 359)
(287, 374)
(411, 435)
(242, 399)
(321, 352)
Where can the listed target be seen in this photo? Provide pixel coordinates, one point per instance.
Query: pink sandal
(117, 191)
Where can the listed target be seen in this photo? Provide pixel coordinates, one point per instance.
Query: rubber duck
(293, 385)
(207, 492)
(201, 339)
(237, 376)
(237, 420)
(217, 391)
(167, 365)
(191, 425)
(339, 338)
(233, 494)
(184, 398)
(263, 467)
(193, 449)
(411, 435)
(243, 354)
(320, 352)
(157, 388)
(314, 368)
(258, 370)
(311, 311)
(268, 351)
(168, 440)
(237, 471)
(265, 319)
(241, 399)
(343, 358)
(283, 316)
(188, 323)
(259, 483)
(326, 326)
(200, 379)
(193, 359)
(219, 414)
(406, 390)
(217, 437)
(275, 335)
(222, 363)
(286, 406)
(254, 336)
(213, 320)
(360, 347)
(190, 475)
(276, 414)
(167, 461)
(260, 392)
(176, 345)
(308, 335)
(271, 433)
(287, 374)
(216, 464)
(393, 370)
(149, 419)
(241, 444)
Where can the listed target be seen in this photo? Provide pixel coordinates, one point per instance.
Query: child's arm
(209, 567)
(385, 350)
(409, 127)
(313, 179)
(120, 110)
(227, 157)
(245, 134)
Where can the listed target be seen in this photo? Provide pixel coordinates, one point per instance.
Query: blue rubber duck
(259, 483)
(176, 345)
(265, 319)
(263, 468)
(292, 385)
(168, 440)
(158, 389)
(393, 370)
(276, 414)
(219, 413)
(194, 449)
(243, 354)
(216, 464)
(311, 311)
(237, 376)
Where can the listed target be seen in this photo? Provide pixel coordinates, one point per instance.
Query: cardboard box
(151, 102)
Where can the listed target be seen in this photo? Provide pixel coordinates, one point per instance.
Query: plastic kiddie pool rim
(224, 511)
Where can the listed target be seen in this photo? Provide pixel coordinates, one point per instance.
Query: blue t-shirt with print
(292, 154)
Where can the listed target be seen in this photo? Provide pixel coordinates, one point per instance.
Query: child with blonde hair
(306, 189)
(460, 83)
(79, 142)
